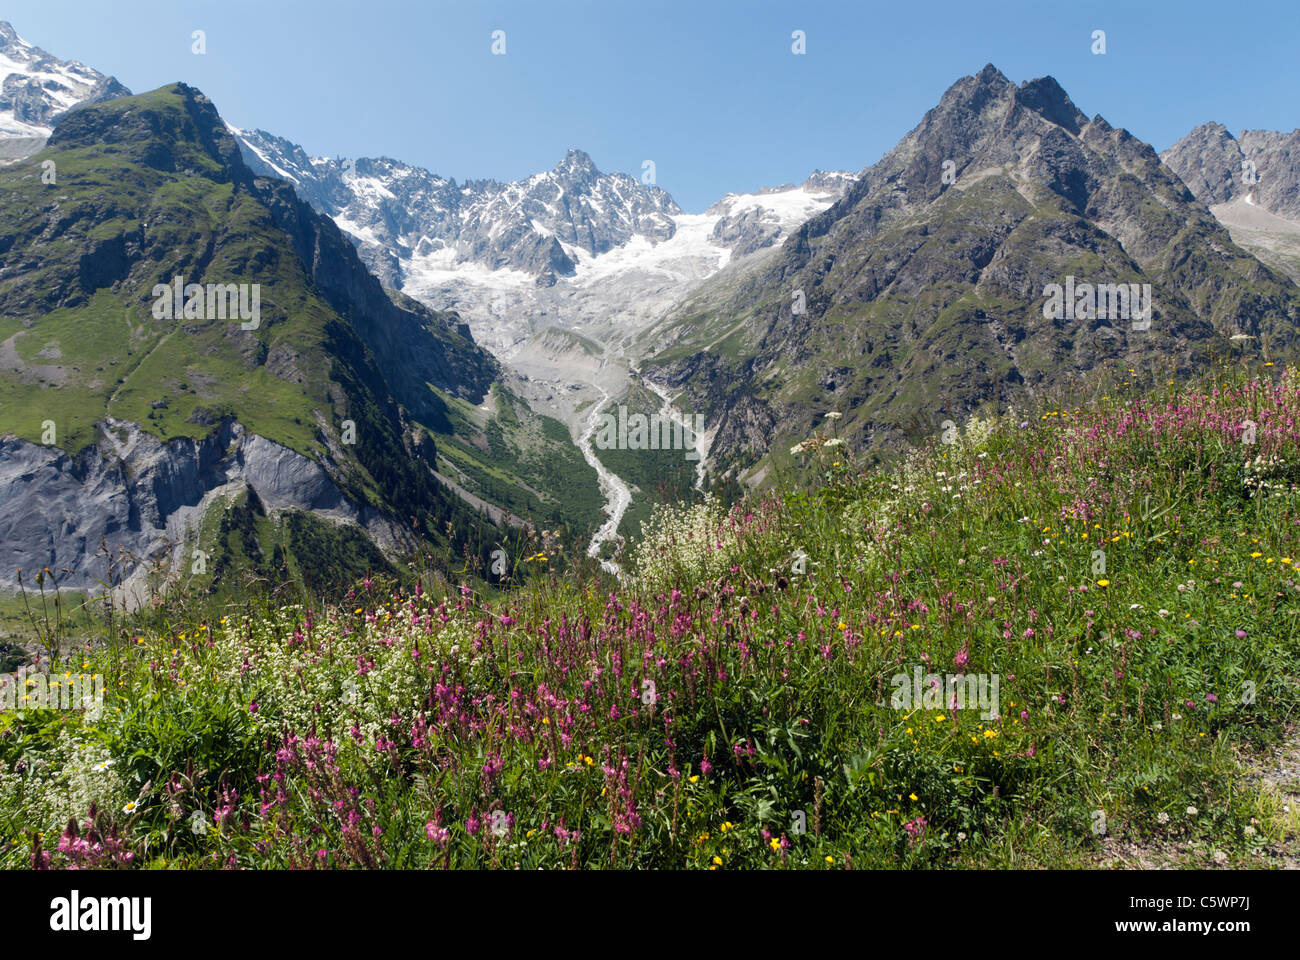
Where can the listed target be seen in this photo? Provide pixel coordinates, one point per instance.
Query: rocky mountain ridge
(1252, 185)
(540, 226)
(921, 294)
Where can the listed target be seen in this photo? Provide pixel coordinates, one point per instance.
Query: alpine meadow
(927, 496)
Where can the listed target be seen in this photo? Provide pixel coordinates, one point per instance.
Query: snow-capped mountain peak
(598, 253)
(36, 88)
(542, 225)
(577, 166)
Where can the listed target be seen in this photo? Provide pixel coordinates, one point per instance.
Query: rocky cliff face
(140, 502)
(1251, 184)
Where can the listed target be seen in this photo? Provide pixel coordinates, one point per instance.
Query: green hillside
(135, 192)
(1112, 586)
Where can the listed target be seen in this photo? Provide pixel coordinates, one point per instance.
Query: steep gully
(618, 495)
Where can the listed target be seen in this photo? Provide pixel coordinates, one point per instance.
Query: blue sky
(710, 91)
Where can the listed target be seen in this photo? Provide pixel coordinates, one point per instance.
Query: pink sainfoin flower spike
(437, 834)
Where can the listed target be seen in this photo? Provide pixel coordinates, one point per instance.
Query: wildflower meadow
(1053, 634)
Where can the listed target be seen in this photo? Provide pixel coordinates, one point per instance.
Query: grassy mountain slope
(1124, 569)
(521, 461)
(134, 192)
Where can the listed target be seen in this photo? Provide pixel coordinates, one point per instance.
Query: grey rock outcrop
(746, 232)
(1251, 184)
(143, 500)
